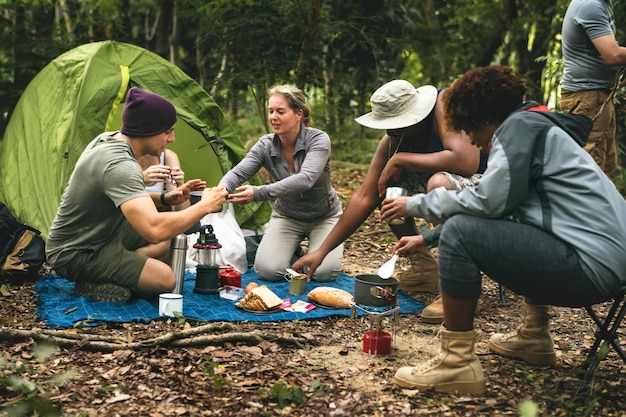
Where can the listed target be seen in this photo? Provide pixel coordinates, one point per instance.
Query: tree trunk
(331, 117)
(164, 28)
(305, 60)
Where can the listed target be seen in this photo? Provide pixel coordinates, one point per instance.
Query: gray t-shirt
(306, 194)
(106, 175)
(584, 67)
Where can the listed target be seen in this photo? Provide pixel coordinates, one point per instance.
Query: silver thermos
(178, 259)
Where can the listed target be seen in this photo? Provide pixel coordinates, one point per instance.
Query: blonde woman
(306, 205)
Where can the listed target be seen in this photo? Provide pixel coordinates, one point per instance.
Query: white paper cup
(169, 303)
(394, 192)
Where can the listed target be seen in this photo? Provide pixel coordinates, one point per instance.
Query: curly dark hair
(483, 95)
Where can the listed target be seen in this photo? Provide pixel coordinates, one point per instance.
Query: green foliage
(284, 393)
(30, 398)
(528, 409)
(339, 51)
(619, 179)
(318, 388)
(212, 368)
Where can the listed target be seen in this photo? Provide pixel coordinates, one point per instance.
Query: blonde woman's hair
(296, 99)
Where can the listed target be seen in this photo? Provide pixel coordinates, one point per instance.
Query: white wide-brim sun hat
(397, 104)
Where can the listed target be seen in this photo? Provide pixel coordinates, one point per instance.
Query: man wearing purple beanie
(108, 234)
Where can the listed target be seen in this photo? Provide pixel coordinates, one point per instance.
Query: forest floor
(292, 368)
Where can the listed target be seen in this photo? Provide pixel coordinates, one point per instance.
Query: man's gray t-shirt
(106, 175)
(584, 67)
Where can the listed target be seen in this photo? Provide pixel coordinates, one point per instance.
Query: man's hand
(393, 208)
(214, 197)
(390, 174)
(181, 194)
(311, 261)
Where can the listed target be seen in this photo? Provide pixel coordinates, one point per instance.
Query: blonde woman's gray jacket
(306, 194)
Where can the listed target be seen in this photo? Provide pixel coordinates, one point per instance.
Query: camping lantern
(207, 270)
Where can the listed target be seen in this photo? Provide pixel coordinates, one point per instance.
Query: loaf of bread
(259, 299)
(331, 297)
(250, 287)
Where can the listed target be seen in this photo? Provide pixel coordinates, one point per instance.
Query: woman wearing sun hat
(416, 152)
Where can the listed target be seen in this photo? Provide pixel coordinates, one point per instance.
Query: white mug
(393, 192)
(170, 303)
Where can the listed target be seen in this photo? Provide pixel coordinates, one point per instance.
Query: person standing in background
(591, 57)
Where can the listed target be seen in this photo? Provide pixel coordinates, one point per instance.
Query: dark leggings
(522, 258)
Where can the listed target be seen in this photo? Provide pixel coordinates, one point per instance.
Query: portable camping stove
(377, 342)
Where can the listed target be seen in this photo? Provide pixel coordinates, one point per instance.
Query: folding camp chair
(606, 333)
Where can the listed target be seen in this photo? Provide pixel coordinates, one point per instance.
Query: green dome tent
(79, 95)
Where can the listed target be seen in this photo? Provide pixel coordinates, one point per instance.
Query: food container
(231, 293)
(229, 276)
(297, 282)
(372, 290)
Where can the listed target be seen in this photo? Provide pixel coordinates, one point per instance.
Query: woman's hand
(156, 173)
(311, 261)
(177, 176)
(243, 195)
(409, 244)
(393, 208)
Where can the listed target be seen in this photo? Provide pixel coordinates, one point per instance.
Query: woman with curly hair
(544, 221)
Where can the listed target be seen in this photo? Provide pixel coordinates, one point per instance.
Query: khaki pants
(281, 240)
(601, 144)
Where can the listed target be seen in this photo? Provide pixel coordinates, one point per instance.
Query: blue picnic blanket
(58, 307)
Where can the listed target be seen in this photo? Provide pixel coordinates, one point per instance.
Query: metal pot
(372, 290)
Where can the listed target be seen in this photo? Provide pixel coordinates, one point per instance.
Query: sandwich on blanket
(259, 299)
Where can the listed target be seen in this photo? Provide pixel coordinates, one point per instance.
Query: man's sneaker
(102, 292)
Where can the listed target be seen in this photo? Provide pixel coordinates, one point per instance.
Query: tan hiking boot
(455, 369)
(433, 312)
(530, 342)
(422, 275)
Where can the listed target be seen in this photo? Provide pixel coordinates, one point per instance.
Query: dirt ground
(296, 368)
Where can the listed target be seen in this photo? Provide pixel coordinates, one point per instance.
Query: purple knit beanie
(146, 114)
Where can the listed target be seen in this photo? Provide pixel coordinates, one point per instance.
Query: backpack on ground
(22, 250)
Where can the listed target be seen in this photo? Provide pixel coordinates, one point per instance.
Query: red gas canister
(229, 276)
(377, 343)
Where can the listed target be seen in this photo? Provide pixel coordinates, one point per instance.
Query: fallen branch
(181, 338)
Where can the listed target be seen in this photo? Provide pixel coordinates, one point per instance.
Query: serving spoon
(386, 269)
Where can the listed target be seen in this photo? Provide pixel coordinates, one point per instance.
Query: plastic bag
(228, 234)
